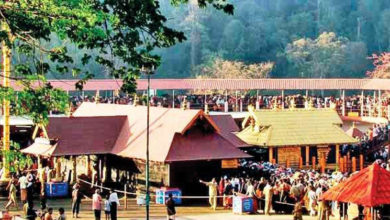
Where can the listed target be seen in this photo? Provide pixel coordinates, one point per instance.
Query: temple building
(183, 143)
(294, 136)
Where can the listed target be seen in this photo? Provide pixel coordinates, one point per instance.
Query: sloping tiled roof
(165, 124)
(298, 127)
(85, 135)
(198, 146)
(229, 84)
(354, 132)
(228, 128)
(370, 187)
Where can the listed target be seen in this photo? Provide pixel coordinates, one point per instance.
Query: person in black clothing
(76, 200)
(170, 204)
(43, 199)
(343, 209)
(31, 213)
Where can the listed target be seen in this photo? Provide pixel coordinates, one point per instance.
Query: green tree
(117, 35)
(319, 58)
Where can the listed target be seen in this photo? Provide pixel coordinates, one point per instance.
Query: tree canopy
(118, 36)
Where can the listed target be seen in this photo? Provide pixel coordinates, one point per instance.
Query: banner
(229, 164)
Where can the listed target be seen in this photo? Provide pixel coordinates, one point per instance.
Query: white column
(380, 103)
(173, 98)
(236, 106)
(362, 104)
(343, 103)
(282, 99)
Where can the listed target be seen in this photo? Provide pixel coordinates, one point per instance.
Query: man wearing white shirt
(23, 188)
(114, 203)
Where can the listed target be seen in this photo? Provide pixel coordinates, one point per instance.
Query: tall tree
(119, 31)
(319, 58)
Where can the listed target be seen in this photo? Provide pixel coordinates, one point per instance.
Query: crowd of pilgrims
(288, 191)
(216, 102)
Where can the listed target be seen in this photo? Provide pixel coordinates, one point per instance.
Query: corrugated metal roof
(230, 84)
(298, 127)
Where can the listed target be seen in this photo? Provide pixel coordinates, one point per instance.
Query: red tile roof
(230, 84)
(198, 146)
(370, 187)
(85, 135)
(228, 127)
(355, 132)
(164, 125)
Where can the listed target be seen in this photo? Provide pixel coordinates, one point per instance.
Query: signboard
(229, 164)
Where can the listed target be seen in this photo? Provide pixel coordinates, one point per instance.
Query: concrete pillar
(236, 106)
(173, 98)
(205, 103)
(380, 103)
(226, 106)
(282, 99)
(343, 103)
(257, 100)
(241, 103)
(307, 95)
(362, 104)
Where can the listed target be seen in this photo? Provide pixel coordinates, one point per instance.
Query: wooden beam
(271, 154)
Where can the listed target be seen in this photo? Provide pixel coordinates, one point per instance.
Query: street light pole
(148, 73)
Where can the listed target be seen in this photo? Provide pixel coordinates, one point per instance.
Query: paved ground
(158, 212)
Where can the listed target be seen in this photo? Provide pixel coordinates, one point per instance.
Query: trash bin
(163, 193)
(242, 204)
(56, 189)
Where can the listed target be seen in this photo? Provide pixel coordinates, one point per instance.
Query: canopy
(40, 149)
(370, 187)
(225, 84)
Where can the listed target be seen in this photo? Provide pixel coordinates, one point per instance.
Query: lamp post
(148, 72)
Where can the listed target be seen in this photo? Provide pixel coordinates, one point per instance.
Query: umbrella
(370, 187)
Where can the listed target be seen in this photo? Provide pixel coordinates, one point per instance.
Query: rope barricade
(183, 197)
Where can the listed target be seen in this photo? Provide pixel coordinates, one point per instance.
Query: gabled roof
(293, 127)
(228, 128)
(202, 147)
(164, 125)
(85, 135)
(370, 187)
(355, 132)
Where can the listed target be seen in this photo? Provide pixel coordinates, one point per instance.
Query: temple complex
(294, 136)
